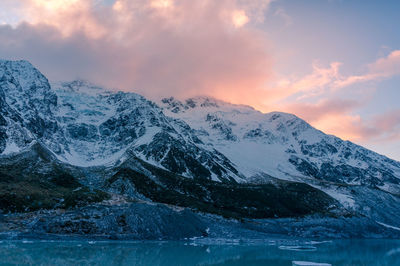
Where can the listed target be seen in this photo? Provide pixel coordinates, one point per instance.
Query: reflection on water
(341, 252)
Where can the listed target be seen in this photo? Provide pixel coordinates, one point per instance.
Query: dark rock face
(32, 180)
(259, 134)
(222, 126)
(181, 157)
(283, 199)
(319, 149)
(3, 140)
(82, 132)
(344, 173)
(133, 221)
(304, 166)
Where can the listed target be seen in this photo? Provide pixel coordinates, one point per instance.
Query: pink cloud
(383, 68)
(318, 111)
(387, 66)
(325, 80)
(185, 48)
(320, 99)
(157, 48)
(388, 124)
(336, 116)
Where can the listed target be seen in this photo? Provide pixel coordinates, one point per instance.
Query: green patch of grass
(31, 195)
(287, 199)
(56, 189)
(33, 180)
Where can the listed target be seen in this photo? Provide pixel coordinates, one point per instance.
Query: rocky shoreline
(153, 221)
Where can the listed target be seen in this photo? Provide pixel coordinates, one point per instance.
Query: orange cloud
(336, 116)
(159, 48)
(239, 18)
(327, 107)
(345, 126)
(161, 3)
(67, 16)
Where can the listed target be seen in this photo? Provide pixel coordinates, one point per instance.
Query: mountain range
(69, 145)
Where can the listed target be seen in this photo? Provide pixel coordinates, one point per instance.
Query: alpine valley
(81, 161)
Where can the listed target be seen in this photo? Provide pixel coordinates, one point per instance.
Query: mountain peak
(24, 63)
(201, 102)
(21, 69)
(80, 86)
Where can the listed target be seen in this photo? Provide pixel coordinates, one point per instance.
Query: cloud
(312, 84)
(9, 12)
(387, 66)
(185, 48)
(384, 67)
(325, 80)
(280, 12)
(347, 126)
(388, 125)
(157, 48)
(326, 99)
(314, 112)
(336, 116)
(239, 18)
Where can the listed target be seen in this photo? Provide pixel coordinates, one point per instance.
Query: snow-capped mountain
(100, 127)
(84, 125)
(26, 102)
(280, 144)
(88, 127)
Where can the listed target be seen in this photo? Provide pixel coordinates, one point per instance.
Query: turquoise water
(343, 252)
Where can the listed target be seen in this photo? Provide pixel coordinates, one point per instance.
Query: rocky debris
(150, 221)
(134, 221)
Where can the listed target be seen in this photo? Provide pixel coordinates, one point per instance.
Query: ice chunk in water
(298, 248)
(309, 263)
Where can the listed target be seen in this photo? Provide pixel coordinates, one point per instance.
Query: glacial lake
(204, 252)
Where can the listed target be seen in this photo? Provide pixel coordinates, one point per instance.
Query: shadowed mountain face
(72, 143)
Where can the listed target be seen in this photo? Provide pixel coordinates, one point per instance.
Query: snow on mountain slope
(26, 103)
(280, 144)
(101, 126)
(85, 114)
(85, 125)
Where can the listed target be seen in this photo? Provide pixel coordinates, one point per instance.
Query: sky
(334, 63)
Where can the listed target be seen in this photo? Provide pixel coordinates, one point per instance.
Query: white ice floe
(309, 263)
(298, 248)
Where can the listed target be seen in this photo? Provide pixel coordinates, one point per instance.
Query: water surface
(203, 252)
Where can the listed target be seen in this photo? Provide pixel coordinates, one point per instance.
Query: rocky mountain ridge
(80, 143)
